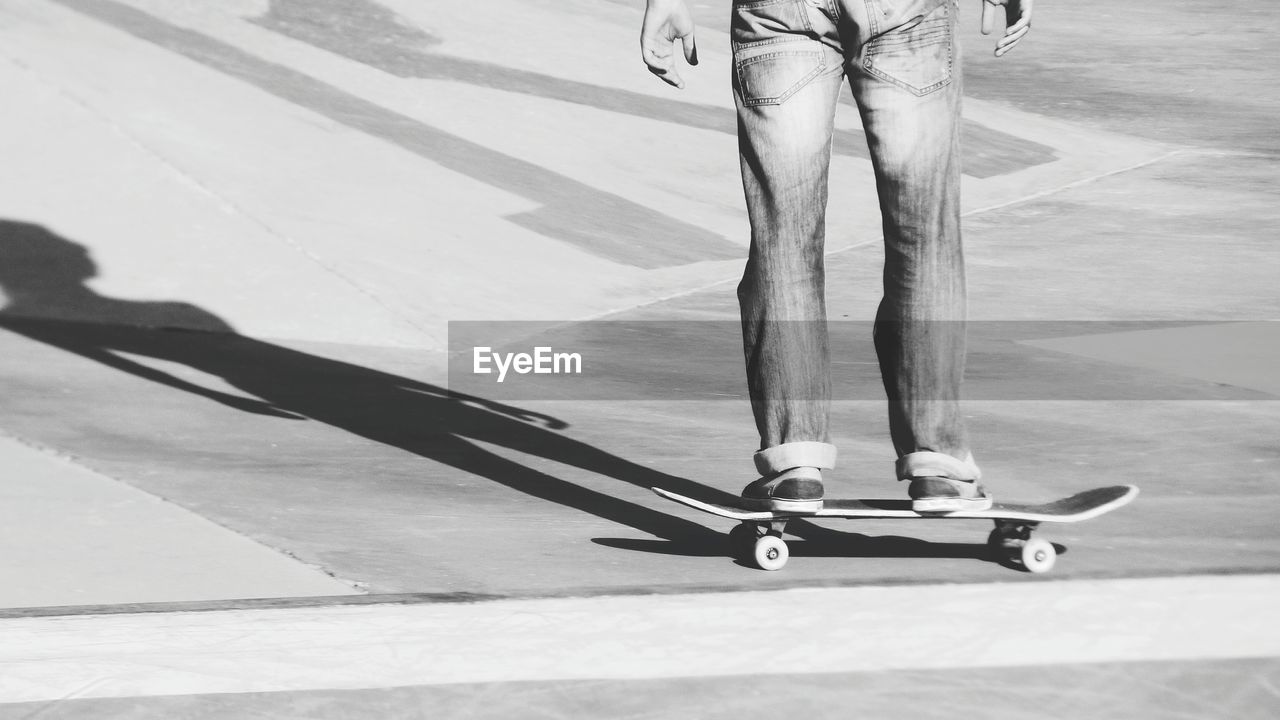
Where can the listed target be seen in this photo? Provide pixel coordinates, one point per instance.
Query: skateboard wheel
(771, 552)
(1038, 555)
(742, 540)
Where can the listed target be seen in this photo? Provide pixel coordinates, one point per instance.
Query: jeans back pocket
(917, 55)
(772, 77)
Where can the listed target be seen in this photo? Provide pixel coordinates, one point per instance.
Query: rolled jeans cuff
(935, 464)
(795, 454)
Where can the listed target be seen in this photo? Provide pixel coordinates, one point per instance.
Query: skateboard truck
(1012, 541)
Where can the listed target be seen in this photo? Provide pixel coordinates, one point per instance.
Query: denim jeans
(902, 61)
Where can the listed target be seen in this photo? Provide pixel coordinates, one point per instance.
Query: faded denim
(902, 62)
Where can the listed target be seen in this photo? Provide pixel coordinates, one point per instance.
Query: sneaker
(795, 490)
(941, 494)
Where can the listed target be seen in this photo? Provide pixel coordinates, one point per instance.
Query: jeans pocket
(777, 74)
(917, 55)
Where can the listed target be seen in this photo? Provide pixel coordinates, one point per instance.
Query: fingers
(1011, 38)
(1017, 21)
(690, 49)
(660, 58)
(661, 62)
(988, 17)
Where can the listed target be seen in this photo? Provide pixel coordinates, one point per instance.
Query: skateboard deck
(759, 536)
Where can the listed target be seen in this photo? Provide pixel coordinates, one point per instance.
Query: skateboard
(758, 536)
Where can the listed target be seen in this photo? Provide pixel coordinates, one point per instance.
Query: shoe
(796, 490)
(942, 494)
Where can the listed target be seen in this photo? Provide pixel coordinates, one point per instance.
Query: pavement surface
(239, 243)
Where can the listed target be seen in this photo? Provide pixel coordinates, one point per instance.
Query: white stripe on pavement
(792, 631)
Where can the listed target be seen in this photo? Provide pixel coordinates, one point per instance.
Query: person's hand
(1017, 21)
(665, 21)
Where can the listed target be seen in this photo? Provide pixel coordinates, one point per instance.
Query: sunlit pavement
(1108, 647)
(316, 189)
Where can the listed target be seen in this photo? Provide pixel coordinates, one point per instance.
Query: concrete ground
(233, 237)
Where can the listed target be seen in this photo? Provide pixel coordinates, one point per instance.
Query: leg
(906, 78)
(787, 76)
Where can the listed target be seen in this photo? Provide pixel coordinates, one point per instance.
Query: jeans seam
(873, 15)
(741, 46)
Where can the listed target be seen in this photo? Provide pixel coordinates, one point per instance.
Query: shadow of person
(43, 277)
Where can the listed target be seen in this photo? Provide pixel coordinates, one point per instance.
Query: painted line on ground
(707, 635)
(1082, 181)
